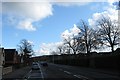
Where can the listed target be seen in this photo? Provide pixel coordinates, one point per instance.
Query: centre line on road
(41, 72)
(80, 76)
(26, 76)
(77, 76)
(29, 74)
(67, 72)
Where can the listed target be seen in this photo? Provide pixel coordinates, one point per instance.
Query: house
(1, 61)
(11, 57)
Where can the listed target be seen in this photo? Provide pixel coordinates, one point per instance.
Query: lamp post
(53, 58)
(52, 52)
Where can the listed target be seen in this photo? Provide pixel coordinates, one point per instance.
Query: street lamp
(53, 58)
(52, 52)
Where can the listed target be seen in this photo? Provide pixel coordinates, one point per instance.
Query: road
(63, 72)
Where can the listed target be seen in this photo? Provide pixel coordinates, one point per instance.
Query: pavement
(17, 74)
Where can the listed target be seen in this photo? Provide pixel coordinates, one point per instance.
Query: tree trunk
(112, 48)
(74, 52)
(87, 49)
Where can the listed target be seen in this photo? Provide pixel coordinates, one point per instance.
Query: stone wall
(7, 70)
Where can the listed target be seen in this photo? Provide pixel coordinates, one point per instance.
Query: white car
(35, 66)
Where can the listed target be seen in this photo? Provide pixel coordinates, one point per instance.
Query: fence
(95, 60)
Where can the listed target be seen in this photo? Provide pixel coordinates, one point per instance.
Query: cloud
(26, 25)
(54, 0)
(67, 4)
(47, 48)
(70, 33)
(31, 42)
(28, 12)
(110, 11)
(112, 1)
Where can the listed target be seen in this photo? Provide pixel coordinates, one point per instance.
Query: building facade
(11, 57)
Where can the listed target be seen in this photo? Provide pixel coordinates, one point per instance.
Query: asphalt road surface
(63, 72)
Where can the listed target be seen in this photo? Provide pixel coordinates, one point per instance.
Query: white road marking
(77, 76)
(27, 74)
(41, 72)
(84, 77)
(67, 72)
(80, 76)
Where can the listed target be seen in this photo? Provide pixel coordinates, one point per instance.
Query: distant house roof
(10, 50)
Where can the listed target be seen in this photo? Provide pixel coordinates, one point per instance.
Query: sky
(43, 24)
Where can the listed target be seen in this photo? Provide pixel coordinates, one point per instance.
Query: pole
(53, 58)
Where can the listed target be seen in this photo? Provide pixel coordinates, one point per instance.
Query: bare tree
(109, 32)
(84, 41)
(66, 48)
(25, 50)
(60, 48)
(87, 38)
(72, 44)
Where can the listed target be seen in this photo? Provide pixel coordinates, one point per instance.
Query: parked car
(44, 63)
(35, 66)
